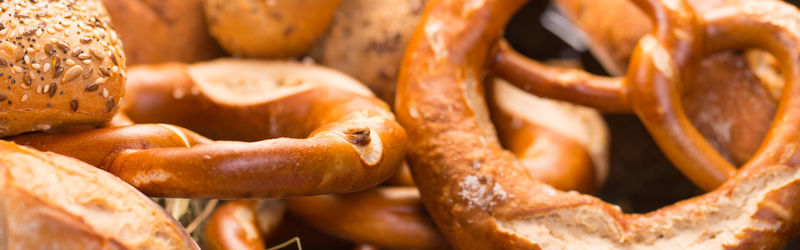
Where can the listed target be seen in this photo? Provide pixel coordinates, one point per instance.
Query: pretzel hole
(732, 101)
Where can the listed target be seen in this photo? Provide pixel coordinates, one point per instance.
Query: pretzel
(390, 217)
(387, 217)
(497, 206)
(563, 145)
(351, 139)
(733, 116)
(243, 224)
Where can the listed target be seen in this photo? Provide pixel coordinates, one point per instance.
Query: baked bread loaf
(268, 29)
(48, 201)
(367, 40)
(155, 31)
(60, 64)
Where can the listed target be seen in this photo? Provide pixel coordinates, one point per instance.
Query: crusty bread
(155, 31)
(60, 64)
(367, 40)
(51, 201)
(268, 29)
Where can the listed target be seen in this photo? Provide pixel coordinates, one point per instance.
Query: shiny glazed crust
(61, 64)
(496, 205)
(51, 201)
(313, 131)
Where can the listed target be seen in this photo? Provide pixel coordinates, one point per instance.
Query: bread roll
(155, 31)
(367, 40)
(60, 64)
(49, 201)
(268, 28)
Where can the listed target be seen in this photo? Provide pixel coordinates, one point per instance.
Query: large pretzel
(391, 217)
(735, 129)
(495, 205)
(352, 143)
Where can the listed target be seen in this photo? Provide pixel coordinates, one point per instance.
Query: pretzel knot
(496, 205)
(335, 136)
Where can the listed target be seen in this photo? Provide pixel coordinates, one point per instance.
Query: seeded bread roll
(60, 64)
(367, 40)
(49, 201)
(155, 31)
(268, 28)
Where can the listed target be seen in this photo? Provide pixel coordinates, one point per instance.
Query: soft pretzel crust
(332, 139)
(480, 197)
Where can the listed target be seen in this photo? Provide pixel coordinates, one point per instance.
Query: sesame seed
(104, 71)
(115, 69)
(87, 61)
(39, 89)
(84, 56)
(100, 80)
(72, 73)
(38, 32)
(30, 50)
(46, 67)
(74, 105)
(27, 59)
(85, 39)
(105, 93)
(46, 88)
(69, 62)
(17, 69)
(24, 98)
(36, 66)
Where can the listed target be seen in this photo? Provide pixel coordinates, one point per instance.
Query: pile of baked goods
(398, 124)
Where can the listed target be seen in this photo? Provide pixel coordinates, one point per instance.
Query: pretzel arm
(606, 94)
(344, 142)
(764, 25)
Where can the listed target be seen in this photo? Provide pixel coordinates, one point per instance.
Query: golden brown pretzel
(561, 144)
(243, 224)
(351, 139)
(731, 100)
(386, 217)
(692, 154)
(496, 206)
